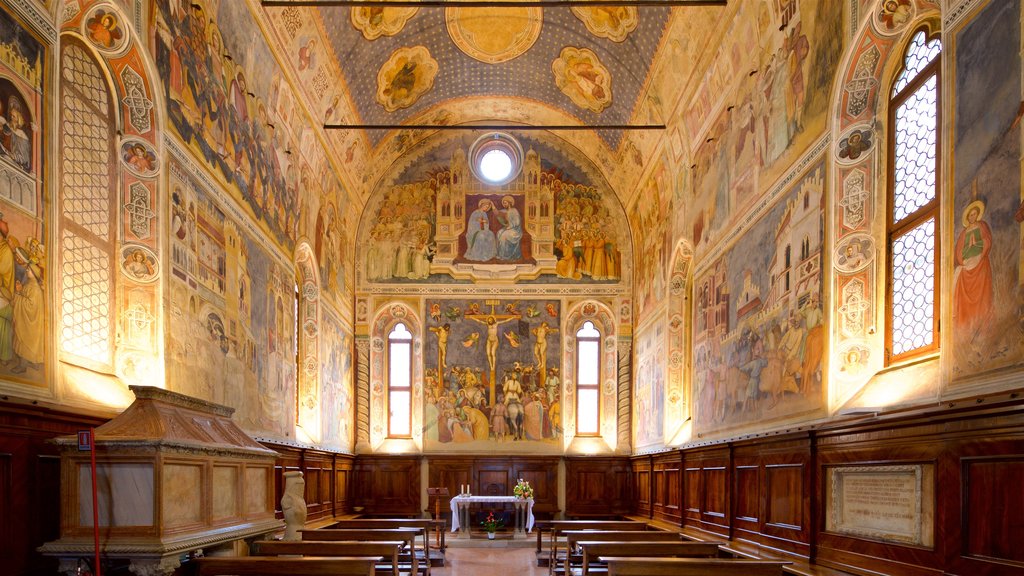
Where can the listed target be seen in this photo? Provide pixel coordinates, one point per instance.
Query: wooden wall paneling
(342, 484)
(317, 469)
(289, 459)
(668, 499)
(713, 490)
(693, 483)
(542, 474)
(30, 483)
(641, 470)
(493, 477)
(449, 472)
(772, 480)
(597, 486)
(387, 485)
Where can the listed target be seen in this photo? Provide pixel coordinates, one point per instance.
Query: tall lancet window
(87, 230)
(399, 382)
(913, 207)
(588, 377)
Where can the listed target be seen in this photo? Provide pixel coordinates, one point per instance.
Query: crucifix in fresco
(492, 320)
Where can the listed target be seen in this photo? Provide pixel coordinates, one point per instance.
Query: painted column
(362, 394)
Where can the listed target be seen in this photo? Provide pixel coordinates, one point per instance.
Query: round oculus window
(496, 158)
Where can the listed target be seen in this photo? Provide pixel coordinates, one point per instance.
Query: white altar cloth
(465, 501)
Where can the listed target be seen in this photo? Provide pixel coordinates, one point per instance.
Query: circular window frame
(496, 141)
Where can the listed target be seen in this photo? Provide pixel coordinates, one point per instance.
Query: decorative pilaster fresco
(23, 256)
(231, 327)
(436, 223)
(987, 288)
(758, 332)
(492, 375)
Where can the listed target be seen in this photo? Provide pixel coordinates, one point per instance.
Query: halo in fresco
(408, 74)
(139, 263)
(894, 16)
(105, 30)
(493, 35)
(581, 76)
(611, 22)
(377, 21)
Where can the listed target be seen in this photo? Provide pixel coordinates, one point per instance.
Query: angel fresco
(583, 78)
(406, 76)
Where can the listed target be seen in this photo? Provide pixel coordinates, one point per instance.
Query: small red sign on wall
(85, 440)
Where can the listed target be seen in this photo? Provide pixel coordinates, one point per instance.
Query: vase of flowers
(491, 524)
(523, 490)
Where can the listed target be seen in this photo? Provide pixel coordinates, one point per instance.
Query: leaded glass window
(87, 193)
(913, 215)
(588, 376)
(399, 364)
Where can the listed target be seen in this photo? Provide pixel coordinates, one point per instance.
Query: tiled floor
(498, 561)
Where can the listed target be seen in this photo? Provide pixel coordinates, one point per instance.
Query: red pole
(95, 504)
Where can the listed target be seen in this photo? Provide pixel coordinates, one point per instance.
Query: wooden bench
(273, 566)
(407, 535)
(388, 550)
(572, 537)
(621, 566)
(556, 527)
(595, 549)
(385, 523)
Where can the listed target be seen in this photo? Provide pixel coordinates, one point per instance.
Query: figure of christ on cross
(492, 321)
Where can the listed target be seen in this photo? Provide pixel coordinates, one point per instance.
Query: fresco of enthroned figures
(491, 373)
(437, 223)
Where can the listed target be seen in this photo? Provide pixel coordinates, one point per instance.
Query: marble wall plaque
(888, 503)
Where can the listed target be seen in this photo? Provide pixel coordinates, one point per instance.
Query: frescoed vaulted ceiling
(550, 55)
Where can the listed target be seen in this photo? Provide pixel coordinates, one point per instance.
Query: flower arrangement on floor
(523, 490)
(491, 523)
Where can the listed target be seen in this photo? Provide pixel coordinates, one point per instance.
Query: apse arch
(857, 210)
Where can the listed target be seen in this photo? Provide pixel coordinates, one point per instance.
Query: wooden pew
(389, 550)
(386, 523)
(595, 549)
(619, 566)
(558, 526)
(371, 535)
(572, 537)
(273, 566)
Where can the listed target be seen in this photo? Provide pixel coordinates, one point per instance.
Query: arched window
(88, 190)
(913, 202)
(399, 362)
(588, 377)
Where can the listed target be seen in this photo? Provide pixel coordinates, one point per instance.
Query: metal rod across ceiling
(522, 127)
(489, 3)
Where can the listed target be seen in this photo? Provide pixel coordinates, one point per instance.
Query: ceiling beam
(488, 127)
(490, 3)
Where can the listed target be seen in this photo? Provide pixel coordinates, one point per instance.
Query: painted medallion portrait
(377, 21)
(582, 77)
(406, 76)
(611, 22)
(139, 263)
(105, 30)
(139, 157)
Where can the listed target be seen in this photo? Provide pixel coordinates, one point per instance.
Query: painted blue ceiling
(528, 76)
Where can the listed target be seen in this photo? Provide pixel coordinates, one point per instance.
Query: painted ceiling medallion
(377, 21)
(494, 35)
(582, 77)
(611, 22)
(408, 74)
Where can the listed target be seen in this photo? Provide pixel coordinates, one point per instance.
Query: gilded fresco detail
(491, 373)
(494, 35)
(611, 22)
(758, 333)
(583, 78)
(377, 21)
(408, 74)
